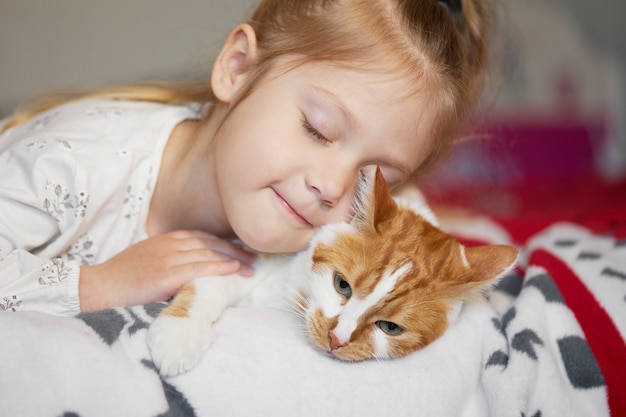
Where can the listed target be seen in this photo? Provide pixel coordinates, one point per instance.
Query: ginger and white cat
(383, 285)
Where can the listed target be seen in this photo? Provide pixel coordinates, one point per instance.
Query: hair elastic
(453, 6)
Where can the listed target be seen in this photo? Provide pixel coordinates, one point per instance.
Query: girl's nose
(330, 184)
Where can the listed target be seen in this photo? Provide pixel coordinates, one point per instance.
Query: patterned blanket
(549, 340)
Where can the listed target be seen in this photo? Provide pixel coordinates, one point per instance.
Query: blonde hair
(443, 49)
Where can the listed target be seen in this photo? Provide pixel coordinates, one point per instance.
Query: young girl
(120, 197)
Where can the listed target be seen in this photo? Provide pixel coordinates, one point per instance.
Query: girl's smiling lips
(291, 211)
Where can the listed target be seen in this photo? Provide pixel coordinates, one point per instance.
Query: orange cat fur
(383, 285)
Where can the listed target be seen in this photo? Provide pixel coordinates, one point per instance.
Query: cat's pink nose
(334, 341)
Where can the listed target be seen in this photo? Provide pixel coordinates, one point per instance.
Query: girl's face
(288, 157)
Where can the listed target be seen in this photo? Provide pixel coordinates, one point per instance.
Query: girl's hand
(156, 268)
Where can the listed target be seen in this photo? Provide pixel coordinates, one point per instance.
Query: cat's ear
(376, 202)
(488, 263)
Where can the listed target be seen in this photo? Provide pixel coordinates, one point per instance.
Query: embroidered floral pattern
(10, 303)
(106, 111)
(42, 143)
(54, 272)
(59, 200)
(83, 251)
(132, 203)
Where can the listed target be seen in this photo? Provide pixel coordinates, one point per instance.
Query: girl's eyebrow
(336, 102)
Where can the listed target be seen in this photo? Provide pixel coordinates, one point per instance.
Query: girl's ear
(232, 66)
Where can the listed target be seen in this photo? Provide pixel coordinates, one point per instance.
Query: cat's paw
(178, 343)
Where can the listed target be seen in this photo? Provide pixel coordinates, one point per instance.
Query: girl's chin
(268, 239)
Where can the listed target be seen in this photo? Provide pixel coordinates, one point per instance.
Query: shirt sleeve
(40, 211)
(29, 282)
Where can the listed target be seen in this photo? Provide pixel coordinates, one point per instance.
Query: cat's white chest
(275, 282)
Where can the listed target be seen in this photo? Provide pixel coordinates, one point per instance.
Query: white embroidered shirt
(75, 188)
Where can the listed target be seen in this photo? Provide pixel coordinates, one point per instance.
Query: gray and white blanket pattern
(520, 351)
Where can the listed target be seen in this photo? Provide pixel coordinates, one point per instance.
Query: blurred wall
(601, 21)
(72, 44)
(565, 66)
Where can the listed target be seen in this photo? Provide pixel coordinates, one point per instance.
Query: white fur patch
(381, 344)
(454, 311)
(328, 233)
(463, 257)
(178, 343)
(319, 284)
(324, 295)
(419, 207)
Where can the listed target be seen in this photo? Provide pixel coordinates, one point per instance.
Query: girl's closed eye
(313, 131)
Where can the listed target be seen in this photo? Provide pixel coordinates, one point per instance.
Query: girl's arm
(33, 221)
(148, 271)
(151, 270)
(38, 221)
(156, 268)
(29, 282)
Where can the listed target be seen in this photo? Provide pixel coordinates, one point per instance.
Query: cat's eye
(390, 328)
(342, 286)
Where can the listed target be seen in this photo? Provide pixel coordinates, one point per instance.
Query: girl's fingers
(205, 255)
(192, 240)
(194, 270)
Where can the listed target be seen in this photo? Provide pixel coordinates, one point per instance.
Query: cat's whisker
(296, 299)
(292, 310)
(372, 354)
(291, 304)
(296, 311)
